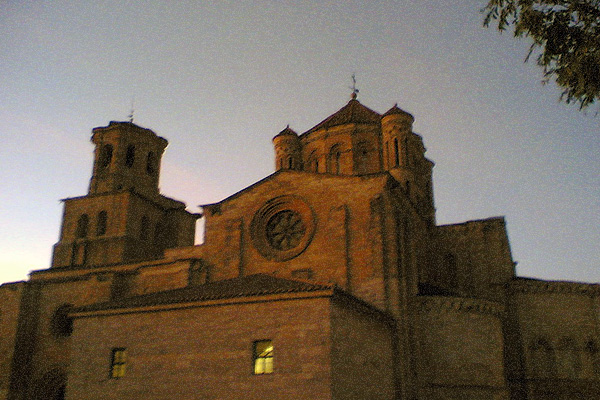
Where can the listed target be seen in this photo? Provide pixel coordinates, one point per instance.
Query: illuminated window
(118, 362)
(262, 357)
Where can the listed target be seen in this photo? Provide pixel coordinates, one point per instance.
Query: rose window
(285, 230)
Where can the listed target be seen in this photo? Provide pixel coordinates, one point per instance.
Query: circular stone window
(283, 228)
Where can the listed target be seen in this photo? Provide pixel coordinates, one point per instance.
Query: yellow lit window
(118, 363)
(262, 356)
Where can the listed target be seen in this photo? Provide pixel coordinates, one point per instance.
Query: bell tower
(123, 218)
(127, 156)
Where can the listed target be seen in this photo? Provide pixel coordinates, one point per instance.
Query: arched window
(542, 359)
(313, 162)
(151, 163)
(199, 273)
(61, 325)
(386, 154)
(101, 223)
(396, 153)
(82, 226)
(333, 164)
(570, 363)
(451, 270)
(290, 164)
(159, 230)
(105, 156)
(144, 228)
(591, 348)
(362, 157)
(130, 156)
(121, 285)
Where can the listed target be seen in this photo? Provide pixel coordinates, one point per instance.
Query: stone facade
(328, 279)
(204, 349)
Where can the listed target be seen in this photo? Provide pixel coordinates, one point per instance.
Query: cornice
(563, 287)
(458, 305)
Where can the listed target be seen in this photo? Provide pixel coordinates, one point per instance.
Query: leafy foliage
(567, 35)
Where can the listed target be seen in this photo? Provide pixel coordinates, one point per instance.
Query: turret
(404, 157)
(288, 150)
(396, 126)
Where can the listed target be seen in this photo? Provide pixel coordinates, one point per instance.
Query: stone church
(328, 279)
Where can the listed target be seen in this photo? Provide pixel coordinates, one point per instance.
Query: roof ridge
(241, 286)
(353, 112)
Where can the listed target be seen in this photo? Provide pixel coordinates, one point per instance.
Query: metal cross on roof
(353, 87)
(132, 110)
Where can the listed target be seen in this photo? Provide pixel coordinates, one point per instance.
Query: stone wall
(206, 352)
(460, 348)
(363, 354)
(479, 253)
(558, 327)
(343, 245)
(10, 301)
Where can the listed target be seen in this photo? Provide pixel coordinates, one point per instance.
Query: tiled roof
(251, 285)
(287, 132)
(351, 113)
(397, 110)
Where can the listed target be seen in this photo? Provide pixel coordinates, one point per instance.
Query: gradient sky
(219, 79)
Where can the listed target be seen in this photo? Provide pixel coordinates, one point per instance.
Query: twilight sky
(219, 79)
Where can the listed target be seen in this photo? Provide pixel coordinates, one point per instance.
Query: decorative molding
(283, 228)
(563, 287)
(443, 304)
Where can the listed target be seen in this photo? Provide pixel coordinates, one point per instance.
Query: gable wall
(346, 247)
